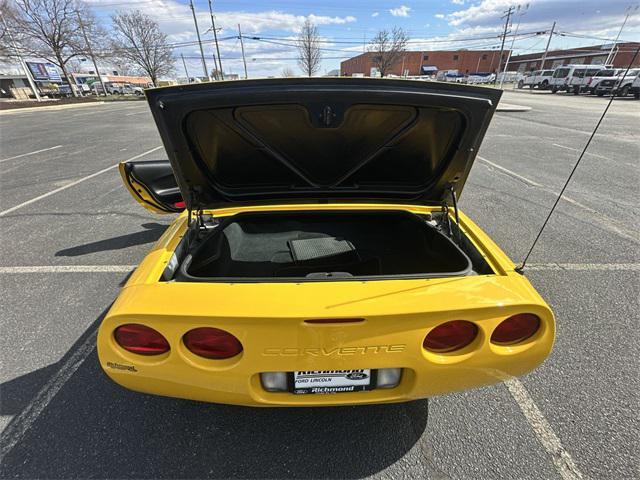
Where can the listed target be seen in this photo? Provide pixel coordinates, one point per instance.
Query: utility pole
(508, 13)
(215, 37)
(244, 60)
(185, 69)
(611, 56)
(93, 59)
(195, 21)
(513, 40)
(21, 60)
(546, 50)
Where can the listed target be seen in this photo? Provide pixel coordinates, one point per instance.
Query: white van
(581, 78)
(562, 76)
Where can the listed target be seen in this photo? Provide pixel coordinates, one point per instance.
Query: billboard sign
(44, 71)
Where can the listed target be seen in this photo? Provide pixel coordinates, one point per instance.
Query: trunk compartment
(322, 245)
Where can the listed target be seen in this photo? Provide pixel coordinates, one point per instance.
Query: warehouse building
(592, 55)
(427, 63)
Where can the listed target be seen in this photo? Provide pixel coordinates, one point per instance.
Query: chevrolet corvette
(318, 255)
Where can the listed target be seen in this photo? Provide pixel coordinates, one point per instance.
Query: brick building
(592, 55)
(428, 62)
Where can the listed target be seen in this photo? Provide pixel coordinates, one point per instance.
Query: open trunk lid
(321, 139)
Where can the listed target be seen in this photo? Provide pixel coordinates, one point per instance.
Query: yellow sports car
(319, 257)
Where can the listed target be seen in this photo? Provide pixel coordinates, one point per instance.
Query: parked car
(125, 89)
(607, 73)
(481, 77)
(620, 86)
(635, 87)
(537, 78)
(356, 278)
(580, 78)
(561, 77)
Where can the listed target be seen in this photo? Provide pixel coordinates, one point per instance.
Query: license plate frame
(291, 384)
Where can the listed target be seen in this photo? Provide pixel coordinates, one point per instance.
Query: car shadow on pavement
(151, 233)
(94, 428)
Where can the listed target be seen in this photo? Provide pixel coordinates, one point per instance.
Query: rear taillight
(212, 343)
(515, 329)
(450, 336)
(141, 339)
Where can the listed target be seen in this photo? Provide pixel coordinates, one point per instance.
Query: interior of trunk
(323, 245)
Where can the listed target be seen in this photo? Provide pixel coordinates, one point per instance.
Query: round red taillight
(213, 343)
(515, 329)
(450, 336)
(141, 339)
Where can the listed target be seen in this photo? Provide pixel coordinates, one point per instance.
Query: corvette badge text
(330, 352)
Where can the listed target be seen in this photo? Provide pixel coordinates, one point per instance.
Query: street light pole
(611, 56)
(21, 60)
(93, 59)
(184, 64)
(244, 60)
(546, 50)
(215, 37)
(195, 21)
(504, 36)
(513, 40)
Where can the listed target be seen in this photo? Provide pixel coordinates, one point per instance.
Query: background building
(592, 55)
(428, 62)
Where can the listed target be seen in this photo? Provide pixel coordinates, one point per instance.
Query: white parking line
(68, 269)
(602, 267)
(597, 217)
(580, 151)
(509, 172)
(585, 267)
(137, 113)
(14, 432)
(30, 153)
(561, 459)
(72, 184)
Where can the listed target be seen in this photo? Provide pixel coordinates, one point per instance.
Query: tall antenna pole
(513, 40)
(184, 64)
(204, 62)
(93, 58)
(244, 60)
(21, 60)
(215, 38)
(508, 13)
(611, 56)
(546, 50)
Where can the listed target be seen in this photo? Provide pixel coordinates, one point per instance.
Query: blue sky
(346, 26)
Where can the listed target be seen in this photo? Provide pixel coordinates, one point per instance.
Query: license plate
(332, 381)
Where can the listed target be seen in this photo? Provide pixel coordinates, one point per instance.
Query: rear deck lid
(321, 139)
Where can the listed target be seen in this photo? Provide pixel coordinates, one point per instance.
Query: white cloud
(375, 14)
(401, 11)
(439, 15)
(457, 2)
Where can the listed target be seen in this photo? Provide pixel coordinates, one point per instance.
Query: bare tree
(137, 39)
(50, 29)
(287, 73)
(309, 55)
(388, 48)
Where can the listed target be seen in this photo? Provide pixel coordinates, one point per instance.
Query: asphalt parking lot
(71, 234)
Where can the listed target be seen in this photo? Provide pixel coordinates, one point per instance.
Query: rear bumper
(289, 344)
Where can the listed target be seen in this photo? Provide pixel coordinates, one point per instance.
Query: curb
(49, 107)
